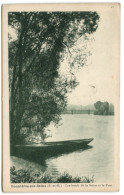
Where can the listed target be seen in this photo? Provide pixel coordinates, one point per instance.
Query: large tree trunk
(16, 97)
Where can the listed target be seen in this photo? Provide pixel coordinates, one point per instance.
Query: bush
(66, 178)
(28, 176)
(20, 176)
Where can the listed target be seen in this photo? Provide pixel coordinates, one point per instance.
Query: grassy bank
(28, 176)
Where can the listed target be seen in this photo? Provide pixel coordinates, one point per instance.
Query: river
(98, 161)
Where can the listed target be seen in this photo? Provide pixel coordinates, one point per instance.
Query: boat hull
(39, 152)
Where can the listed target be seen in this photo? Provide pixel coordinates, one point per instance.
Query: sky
(96, 78)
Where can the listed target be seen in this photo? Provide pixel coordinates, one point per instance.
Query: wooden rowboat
(39, 152)
(58, 143)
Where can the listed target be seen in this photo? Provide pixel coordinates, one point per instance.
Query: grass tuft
(28, 176)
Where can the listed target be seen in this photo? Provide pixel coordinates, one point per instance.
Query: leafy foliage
(38, 43)
(104, 108)
(27, 176)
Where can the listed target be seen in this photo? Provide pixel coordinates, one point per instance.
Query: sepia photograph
(61, 97)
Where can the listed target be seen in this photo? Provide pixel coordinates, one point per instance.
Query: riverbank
(23, 171)
(29, 176)
(20, 163)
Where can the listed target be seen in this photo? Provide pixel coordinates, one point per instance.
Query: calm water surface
(98, 160)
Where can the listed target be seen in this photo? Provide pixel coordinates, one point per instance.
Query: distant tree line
(103, 108)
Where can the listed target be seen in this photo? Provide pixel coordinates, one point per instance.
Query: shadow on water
(40, 155)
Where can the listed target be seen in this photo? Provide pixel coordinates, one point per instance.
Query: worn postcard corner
(61, 94)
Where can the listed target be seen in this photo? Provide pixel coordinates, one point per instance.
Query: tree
(103, 108)
(97, 105)
(38, 92)
(111, 109)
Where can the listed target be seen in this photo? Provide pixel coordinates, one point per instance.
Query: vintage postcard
(61, 69)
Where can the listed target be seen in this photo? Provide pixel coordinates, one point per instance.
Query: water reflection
(40, 156)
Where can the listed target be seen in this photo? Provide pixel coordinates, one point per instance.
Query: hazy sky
(97, 78)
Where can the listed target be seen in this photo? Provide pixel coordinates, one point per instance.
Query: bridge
(78, 112)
